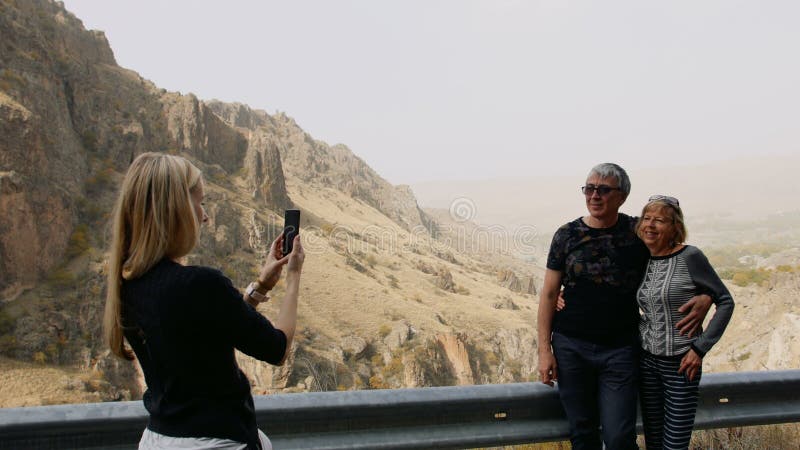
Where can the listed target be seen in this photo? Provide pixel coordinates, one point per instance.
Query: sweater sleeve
(244, 327)
(704, 276)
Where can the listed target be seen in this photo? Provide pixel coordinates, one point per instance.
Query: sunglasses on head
(672, 201)
(601, 190)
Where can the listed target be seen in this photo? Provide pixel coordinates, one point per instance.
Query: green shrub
(395, 366)
(726, 274)
(376, 382)
(352, 262)
(744, 277)
(371, 260)
(89, 140)
(61, 278)
(52, 352)
(327, 228)
(39, 358)
(100, 181)
(6, 322)
(8, 344)
(219, 177)
(12, 78)
(393, 281)
(377, 361)
(78, 242)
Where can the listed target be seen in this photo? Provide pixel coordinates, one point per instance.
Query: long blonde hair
(153, 219)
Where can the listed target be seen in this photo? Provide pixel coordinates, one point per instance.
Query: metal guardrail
(443, 417)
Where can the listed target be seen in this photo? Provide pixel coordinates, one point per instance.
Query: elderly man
(599, 261)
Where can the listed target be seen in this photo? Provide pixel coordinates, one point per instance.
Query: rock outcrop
(784, 347)
(399, 334)
(262, 161)
(267, 378)
(517, 348)
(315, 162)
(195, 129)
(458, 357)
(67, 111)
(509, 280)
(444, 280)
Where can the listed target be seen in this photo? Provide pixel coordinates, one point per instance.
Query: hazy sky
(438, 90)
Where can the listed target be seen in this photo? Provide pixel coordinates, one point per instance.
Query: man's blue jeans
(598, 386)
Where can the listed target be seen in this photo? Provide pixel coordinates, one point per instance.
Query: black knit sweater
(183, 323)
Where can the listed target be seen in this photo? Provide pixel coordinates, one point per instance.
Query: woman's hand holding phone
(271, 272)
(297, 257)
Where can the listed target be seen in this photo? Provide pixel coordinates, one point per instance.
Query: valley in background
(396, 291)
(742, 213)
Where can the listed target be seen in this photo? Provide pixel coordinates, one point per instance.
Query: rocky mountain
(66, 106)
(392, 295)
(384, 304)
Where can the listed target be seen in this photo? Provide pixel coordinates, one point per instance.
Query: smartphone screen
(291, 226)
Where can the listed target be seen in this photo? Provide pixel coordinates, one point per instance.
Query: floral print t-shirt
(601, 270)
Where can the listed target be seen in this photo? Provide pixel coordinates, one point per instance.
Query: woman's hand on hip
(690, 364)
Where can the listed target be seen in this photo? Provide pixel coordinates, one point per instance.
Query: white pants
(154, 441)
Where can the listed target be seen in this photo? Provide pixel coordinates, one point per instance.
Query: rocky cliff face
(67, 111)
(262, 161)
(458, 357)
(783, 345)
(39, 149)
(195, 129)
(71, 121)
(317, 164)
(508, 279)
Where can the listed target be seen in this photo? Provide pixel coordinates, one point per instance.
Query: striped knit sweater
(669, 282)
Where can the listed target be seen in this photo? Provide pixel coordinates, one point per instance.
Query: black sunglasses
(601, 190)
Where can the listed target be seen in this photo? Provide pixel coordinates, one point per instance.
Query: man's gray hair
(607, 170)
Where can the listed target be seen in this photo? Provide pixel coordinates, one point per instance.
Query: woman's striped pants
(669, 402)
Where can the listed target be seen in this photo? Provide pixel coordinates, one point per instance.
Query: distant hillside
(741, 190)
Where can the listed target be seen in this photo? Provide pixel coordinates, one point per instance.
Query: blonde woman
(670, 363)
(184, 322)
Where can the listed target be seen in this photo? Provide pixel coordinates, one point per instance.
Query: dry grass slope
(32, 384)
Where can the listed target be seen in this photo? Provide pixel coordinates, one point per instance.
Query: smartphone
(291, 226)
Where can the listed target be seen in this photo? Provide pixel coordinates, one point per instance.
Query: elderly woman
(671, 363)
(184, 322)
